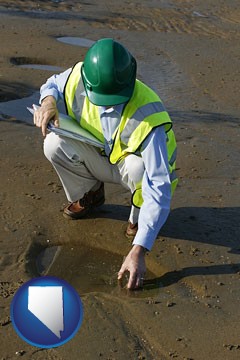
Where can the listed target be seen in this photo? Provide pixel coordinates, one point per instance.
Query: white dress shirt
(156, 184)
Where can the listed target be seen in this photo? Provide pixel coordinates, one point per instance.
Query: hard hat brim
(110, 99)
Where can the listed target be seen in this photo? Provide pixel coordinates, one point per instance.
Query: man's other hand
(134, 263)
(47, 112)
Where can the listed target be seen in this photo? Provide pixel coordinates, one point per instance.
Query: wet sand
(189, 307)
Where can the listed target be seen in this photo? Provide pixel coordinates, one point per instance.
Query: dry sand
(189, 308)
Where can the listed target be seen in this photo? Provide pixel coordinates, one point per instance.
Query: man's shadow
(173, 277)
(207, 225)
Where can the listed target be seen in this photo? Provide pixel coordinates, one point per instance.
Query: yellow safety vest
(141, 115)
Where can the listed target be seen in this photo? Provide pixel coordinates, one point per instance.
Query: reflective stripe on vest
(140, 114)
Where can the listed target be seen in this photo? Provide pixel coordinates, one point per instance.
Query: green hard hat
(108, 73)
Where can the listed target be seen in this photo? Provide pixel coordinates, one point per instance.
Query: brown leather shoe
(131, 230)
(80, 208)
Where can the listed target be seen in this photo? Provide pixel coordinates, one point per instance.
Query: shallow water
(18, 108)
(41, 67)
(89, 269)
(76, 41)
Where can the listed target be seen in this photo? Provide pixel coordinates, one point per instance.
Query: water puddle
(17, 109)
(76, 41)
(89, 270)
(41, 67)
(32, 63)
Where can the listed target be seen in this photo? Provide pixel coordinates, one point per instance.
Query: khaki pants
(81, 168)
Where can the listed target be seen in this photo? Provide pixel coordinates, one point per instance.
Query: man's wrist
(49, 100)
(140, 249)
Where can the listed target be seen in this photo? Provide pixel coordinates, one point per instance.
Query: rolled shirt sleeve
(156, 189)
(54, 86)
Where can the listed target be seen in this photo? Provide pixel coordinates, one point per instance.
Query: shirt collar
(117, 108)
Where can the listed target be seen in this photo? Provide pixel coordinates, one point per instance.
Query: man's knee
(135, 168)
(51, 145)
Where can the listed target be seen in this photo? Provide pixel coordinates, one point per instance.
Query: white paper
(71, 128)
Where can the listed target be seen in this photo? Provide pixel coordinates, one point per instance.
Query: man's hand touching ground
(47, 112)
(134, 263)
